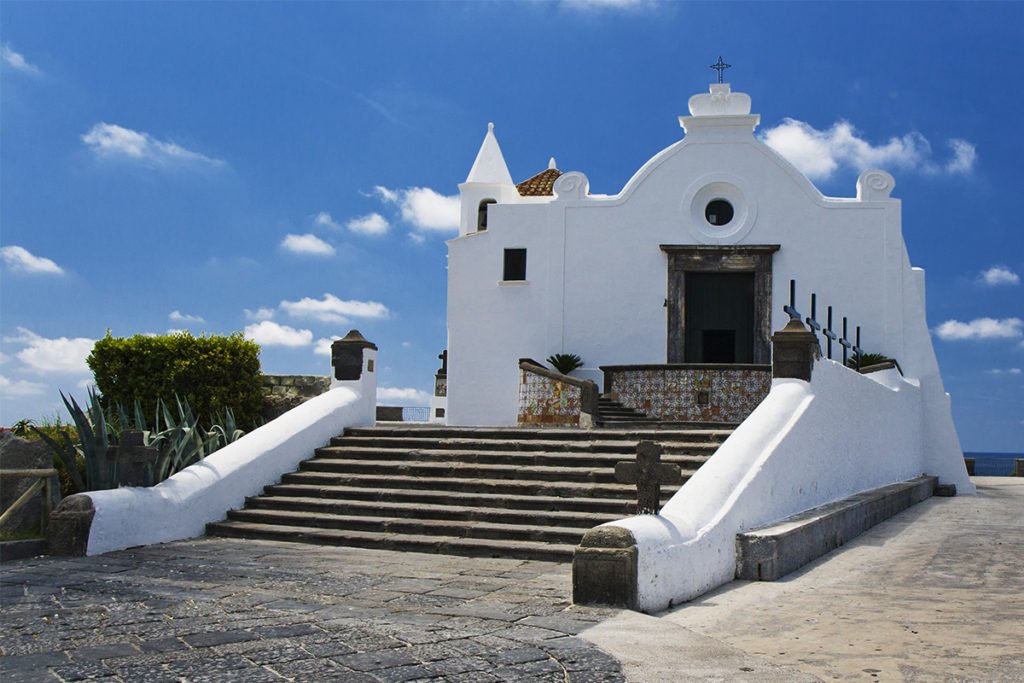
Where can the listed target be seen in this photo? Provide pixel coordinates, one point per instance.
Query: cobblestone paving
(229, 610)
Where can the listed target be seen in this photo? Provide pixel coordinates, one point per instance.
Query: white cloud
(61, 355)
(307, 244)
(331, 309)
(417, 238)
(819, 153)
(370, 224)
(116, 142)
(964, 156)
(323, 346)
(17, 61)
(20, 260)
(385, 194)
(980, 328)
(999, 275)
(4, 358)
(407, 395)
(269, 333)
(21, 388)
(324, 220)
(179, 317)
(259, 314)
(1000, 371)
(424, 208)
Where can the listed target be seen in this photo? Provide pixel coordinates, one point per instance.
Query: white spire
(551, 164)
(490, 166)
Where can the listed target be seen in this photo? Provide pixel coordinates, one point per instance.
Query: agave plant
(180, 441)
(565, 362)
(225, 428)
(94, 438)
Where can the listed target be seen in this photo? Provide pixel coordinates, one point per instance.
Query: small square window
(515, 265)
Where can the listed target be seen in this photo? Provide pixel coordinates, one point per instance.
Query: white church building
(675, 293)
(641, 277)
(671, 291)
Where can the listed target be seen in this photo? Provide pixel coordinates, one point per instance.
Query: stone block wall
(689, 392)
(281, 393)
(547, 401)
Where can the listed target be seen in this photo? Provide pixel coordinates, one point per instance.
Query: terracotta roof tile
(540, 185)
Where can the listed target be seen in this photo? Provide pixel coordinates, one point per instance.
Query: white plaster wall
(597, 279)
(180, 506)
(807, 444)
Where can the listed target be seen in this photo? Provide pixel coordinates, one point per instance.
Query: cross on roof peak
(720, 67)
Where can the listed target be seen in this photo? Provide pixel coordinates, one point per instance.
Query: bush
(213, 373)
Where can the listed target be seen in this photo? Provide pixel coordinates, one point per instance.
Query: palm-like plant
(565, 362)
(863, 360)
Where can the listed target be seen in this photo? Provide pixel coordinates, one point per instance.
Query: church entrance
(719, 318)
(719, 303)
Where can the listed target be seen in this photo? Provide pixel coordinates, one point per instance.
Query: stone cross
(648, 473)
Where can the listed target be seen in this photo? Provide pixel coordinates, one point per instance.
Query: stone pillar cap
(354, 337)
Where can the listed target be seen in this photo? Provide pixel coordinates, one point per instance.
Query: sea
(993, 464)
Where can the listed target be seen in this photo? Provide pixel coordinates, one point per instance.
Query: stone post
(439, 401)
(354, 361)
(70, 524)
(136, 462)
(794, 350)
(604, 568)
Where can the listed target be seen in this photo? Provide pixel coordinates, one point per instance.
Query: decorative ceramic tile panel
(545, 401)
(701, 394)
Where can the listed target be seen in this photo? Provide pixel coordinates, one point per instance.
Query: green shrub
(212, 373)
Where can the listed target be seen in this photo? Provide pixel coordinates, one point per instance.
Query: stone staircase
(614, 414)
(502, 492)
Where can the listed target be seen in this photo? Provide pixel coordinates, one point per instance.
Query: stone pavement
(230, 610)
(936, 593)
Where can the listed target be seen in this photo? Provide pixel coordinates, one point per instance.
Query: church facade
(691, 263)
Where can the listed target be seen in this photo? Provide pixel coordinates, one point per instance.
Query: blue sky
(289, 169)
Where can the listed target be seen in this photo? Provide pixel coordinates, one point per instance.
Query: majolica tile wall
(544, 401)
(694, 394)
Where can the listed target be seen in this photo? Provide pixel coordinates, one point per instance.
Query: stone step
(771, 552)
(441, 511)
(500, 486)
(700, 454)
(615, 507)
(704, 443)
(403, 525)
(461, 470)
(691, 430)
(504, 492)
(554, 552)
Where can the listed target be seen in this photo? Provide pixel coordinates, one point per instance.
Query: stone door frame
(706, 258)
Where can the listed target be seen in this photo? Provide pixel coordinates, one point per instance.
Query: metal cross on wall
(720, 66)
(648, 473)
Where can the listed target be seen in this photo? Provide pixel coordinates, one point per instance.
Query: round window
(718, 212)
